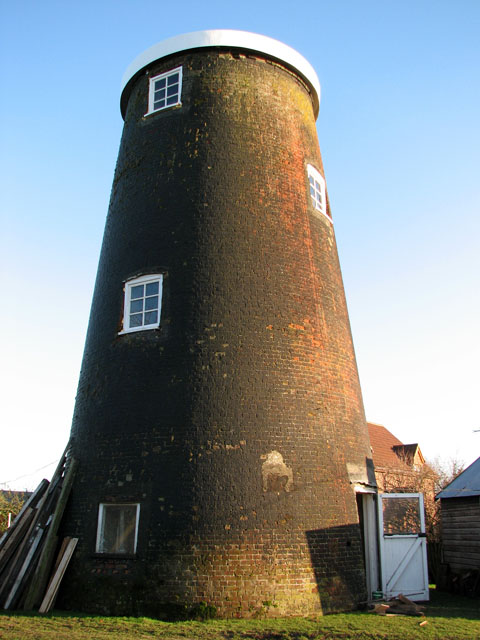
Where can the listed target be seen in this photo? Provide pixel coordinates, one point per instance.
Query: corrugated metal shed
(465, 485)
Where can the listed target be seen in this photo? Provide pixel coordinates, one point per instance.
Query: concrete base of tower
(271, 575)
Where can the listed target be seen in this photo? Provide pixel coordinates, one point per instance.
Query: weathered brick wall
(233, 423)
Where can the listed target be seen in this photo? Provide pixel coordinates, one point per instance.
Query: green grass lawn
(447, 616)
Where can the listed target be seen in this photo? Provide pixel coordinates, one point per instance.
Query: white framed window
(143, 303)
(317, 190)
(117, 529)
(165, 90)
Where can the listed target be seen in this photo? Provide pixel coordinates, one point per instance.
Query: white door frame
(399, 551)
(370, 536)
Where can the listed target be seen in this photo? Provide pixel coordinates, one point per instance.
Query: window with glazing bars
(143, 301)
(165, 90)
(317, 190)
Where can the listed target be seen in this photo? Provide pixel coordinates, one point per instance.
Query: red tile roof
(388, 451)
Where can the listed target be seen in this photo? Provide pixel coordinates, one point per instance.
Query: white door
(403, 545)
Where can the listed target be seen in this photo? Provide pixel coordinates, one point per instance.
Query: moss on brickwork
(233, 423)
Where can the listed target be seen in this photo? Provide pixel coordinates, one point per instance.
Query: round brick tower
(219, 425)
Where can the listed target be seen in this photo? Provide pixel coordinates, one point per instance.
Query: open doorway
(367, 514)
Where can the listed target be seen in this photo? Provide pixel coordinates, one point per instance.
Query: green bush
(10, 502)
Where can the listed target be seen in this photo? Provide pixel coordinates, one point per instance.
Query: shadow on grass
(451, 605)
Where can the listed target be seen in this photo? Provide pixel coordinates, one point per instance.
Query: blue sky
(400, 137)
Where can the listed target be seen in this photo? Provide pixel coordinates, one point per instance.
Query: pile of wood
(28, 547)
(399, 606)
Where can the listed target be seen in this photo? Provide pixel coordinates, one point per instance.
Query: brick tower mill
(219, 425)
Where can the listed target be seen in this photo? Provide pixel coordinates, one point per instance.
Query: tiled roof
(388, 451)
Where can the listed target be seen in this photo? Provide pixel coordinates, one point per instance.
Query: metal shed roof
(465, 485)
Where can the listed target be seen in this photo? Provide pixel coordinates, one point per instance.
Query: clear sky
(400, 138)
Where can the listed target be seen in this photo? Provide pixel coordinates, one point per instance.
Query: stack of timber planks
(27, 548)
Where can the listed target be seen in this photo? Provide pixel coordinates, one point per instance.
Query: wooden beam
(52, 590)
(18, 581)
(40, 579)
(15, 539)
(25, 543)
(63, 546)
(28, 504)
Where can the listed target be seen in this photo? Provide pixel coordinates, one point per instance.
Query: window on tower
(117, 529)
(165, 90)
(143, 303)
(317, 190)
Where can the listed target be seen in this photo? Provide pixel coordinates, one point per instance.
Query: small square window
(165, 90)
(117, 528)
(317, 189)
(143, 301)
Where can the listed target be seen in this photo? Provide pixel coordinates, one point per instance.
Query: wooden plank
(458, 546)
(39, 582)
(16, 585)
(464, 526)
(28, 504)
(24, 545)
(63, 546)
(469, 538)
(460, 515)
(52, 591)
(17, 557)
(461, 519)
(459, 502)
(460, 554)
(58, 473)
(60, 555)
(449, 516)
(463, 551)
(31, 507)
(406, 601)
(472, 512)
(20, 596)
(460, 533)
(467, 563)
(21, 550)
(15, 539)
(458, 567)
